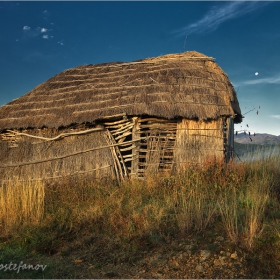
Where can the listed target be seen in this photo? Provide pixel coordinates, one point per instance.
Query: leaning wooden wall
(198, 140)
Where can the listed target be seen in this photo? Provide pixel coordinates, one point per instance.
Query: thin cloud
(219, 14)
(268, 80)
(31, 33)
(46, 15)
(275, 116)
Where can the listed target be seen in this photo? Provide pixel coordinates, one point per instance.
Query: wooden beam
(123, 135)
(60, 136)
(122, 129)
(128, 148)
(156, 120)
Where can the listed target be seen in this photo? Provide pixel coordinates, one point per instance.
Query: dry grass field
(40, 220)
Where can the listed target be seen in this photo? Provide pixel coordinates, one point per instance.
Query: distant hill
(259, 138)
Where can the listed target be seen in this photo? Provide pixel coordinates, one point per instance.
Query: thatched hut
(121, 119)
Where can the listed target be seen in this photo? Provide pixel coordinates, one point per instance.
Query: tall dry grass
(234, 196)
(21, 203)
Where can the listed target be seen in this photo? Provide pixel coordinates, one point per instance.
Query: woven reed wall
(22, 149)
(198, 140)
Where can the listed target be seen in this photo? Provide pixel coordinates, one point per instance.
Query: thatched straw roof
(189, 85)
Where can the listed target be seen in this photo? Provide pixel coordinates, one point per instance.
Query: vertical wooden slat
(135, 151)
(230, 139)
(117, 167)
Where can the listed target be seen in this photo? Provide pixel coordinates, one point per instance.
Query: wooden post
(135, 150)
(230, 135)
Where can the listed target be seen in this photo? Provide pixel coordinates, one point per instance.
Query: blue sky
(41, 39)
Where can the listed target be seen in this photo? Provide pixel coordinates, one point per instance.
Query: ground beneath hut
(178, 259)
(195, 257)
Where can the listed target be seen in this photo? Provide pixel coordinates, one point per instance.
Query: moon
(257, 73)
